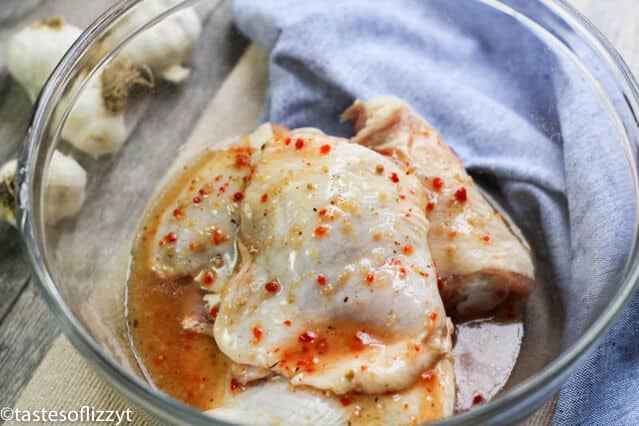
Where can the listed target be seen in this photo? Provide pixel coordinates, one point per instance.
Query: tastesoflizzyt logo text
(85, 414)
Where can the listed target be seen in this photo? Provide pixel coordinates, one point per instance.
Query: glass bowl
(81, 263)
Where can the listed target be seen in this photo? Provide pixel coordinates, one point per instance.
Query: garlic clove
(176, 74)
(65, 193)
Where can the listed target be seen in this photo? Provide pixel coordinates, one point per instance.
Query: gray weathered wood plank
(14, 272)
(25, 337)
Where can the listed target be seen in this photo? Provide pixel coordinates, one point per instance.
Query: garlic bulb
(66, 182)
(34, 52)
(165, 46)
(90, 127)
(96, 122)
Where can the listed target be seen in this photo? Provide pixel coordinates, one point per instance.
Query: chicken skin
(336, 290)
(480, 260)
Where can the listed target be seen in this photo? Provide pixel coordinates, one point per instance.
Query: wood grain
(25, 337)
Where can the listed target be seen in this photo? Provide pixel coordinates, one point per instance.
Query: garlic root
(119, 78)
(64, 195)
(7, 192)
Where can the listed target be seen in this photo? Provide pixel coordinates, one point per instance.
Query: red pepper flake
(402, 272)
(171, 237)
(321, 280)
(345, 401)
(235, 385)
(433, 316)
(307, 337)
(242, 160)
(461, 195)
(287, 141)
(408, 250)
(213, 312)
(478, 399)
(287, 323)
(402, 197)
(208, 278)
(238, 196)
(218, 237)
(430, 206)
(192, 246)
(321, 231)
(299, 143)
(177, 213)
(322, 212)
(258, 333)
(438, 183)
(427, 376)
(264, 198)
(363, 367)
(370, 278)
(325, 149)
(202, 192)
(197, 200)
(272, 287)
(406, 406)
(394, 178)
(486, 238)
(218, 177)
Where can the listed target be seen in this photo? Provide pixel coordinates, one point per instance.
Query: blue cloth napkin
(514, 111)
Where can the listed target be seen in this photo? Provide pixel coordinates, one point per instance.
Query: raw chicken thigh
(336, 290)
(199, 220)
(198, 226)
(480, 260)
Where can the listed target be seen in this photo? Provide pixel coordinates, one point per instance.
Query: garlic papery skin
(65, 193)
(33, 52)
(65, 189)
(165, 46)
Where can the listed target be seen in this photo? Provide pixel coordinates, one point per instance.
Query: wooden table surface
(27, 328)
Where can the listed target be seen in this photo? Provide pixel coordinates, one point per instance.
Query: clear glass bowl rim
(524, 396)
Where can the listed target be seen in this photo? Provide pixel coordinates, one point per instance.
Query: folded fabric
(513, 110)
